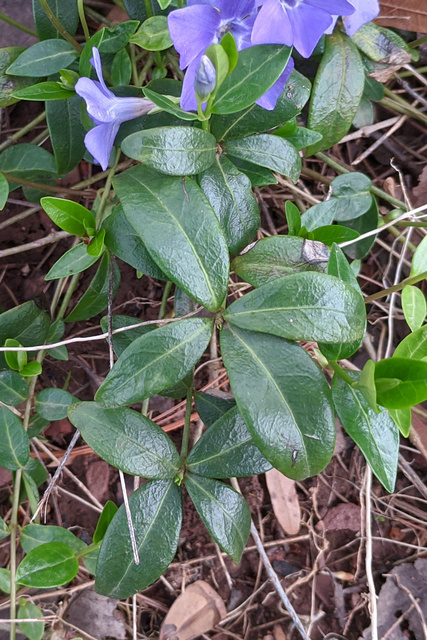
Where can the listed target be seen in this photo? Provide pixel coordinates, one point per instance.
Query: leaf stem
(148, 8)
(45, 187)
(54, 20)
(340, 372)
(82, 16)
(166, 292)
(18, 25)
(396, 287)
(107, 188)
(186, 432)
(22, 132)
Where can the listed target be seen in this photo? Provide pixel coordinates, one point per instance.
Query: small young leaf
(419, 260)
(293, 218)
(352, 190)
(5, 580)
(52, 404)
(13, 388)
(401, 382)
(32, 630)
(413, 346)
(403, 419)
(4, 191)
(68, 215)
(366, 385)
(108, 513)
(224, 512)
(153, 34)
(414, 306)
(4, 530)
(31, 369)
(50, 565)
(36, 535)
(43, 91)
(15, 359)
(14, 443)
(73, 261)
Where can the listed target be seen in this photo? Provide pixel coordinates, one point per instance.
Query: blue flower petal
(269, 99)
(99, 142)
(188, 95)
(272, 25)
(308, 25)
(192, 30)
(366, 10)
(96, 62)
(97, 102)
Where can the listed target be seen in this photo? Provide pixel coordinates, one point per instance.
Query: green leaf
(366, 385)
(271, 258)
(95, 298)
(413, 346)
(367, 222)
(381, 45)
(293, 218)
(5, 580)
(335, 233)
(122, 240)
(4, 191)
(121, 69)
(230, 193)
(122, 340)
(114, 39)
(68, 215)
(96, 245)
(28, 161)
(255, 119)
(227, 449)
(284, 400)
(228, 43)
(27, 323)
(31, 369)
(337, 91)
(259, 176)
(13, 388)
(156, 510)
(155, 362)
(43, 91)
(401, 382)
(32, 630)
(50, 565)
(212, 407)
(419, 260)
(257, 70)
(219, 59)
(108, 513)
(414, 306)
(375, 433)
(67, 15)
(300, 138)
(176, 151)
(403, 419)
(224, 512)
(352, 190)
(153, 34)
(35, 535)
(180, 230)
(9, 84)
(14, 443)
(268, 151)
(127, 440)
(43, 59)
(302, 306)
(4, 530)
(14, 359)
(52, 404)
(168, 105)
(73, 261)
(66, 132)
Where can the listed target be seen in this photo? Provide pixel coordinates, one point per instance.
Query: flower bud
(205, 80)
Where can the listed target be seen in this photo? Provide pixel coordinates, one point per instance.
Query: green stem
(409, 74)
(396, 103)
(186, 432)
(106, 191)
(340, 372)
(396, 287)
(22, 132)
(416, 43)
(331, 162)
(42, 136)
(18, 25)
(148, 8)
(65, 302)
(166, 292)
(43, 187)
(82, 16)
(54, 20)
(98, 16)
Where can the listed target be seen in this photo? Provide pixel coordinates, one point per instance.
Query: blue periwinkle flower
(205, 80)
(365, 11)
(107, 112)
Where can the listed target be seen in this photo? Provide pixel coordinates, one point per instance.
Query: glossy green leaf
(367, 222)
(168, 105)
(153, 34)
(224, 512)
(122, 240)
(28, 161)
(35, 535)
(366, 385)
(9, 84)
(180, 230)
(30, 491)
(43, 91)
(413, 346)
(5, 580)
(211, 406)
(121, 69)
(127, 440)
(73, 261)
(401, 382)
(68, 215)
(65, 12)
(96, 245)
(176, 151)
(283, 398)
(259, 176)
(50, 565)
(4, 530)
(95, 298)
(122, 340)
(52, 404)
(4, 191)
(156, 510)
(108, 513)
(352, 190)
(334, 233)
(257, 70)
(117, 37)
(414, 306)
(381, 45)
(230, 193)
(302, 306)
(268, 151)
(403, 419)
(227, 449)
(28, 324)
(43, 59)
(37, 424)
(14, 443)
(255, 119)
(293, 218)
(337, 91)
(228, 43)
(15, 359)
(13, 388)
(66, 132)
(31, 369)
(220, 61)
(271, 258)
(32, 630)
(300, 138)
(155, 362)
(419, 260)
(375, 433)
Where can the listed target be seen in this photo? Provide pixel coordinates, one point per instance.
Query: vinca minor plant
(187, 109)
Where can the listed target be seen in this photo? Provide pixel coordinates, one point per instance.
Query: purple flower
(298, 23)
(107, 112)
(365, 11)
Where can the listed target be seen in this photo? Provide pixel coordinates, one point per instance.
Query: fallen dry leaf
(96, 615)
(278, 633)
(197, 610)
(410, 15)
(420, 191)
(285, 501)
